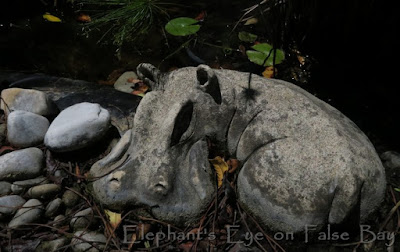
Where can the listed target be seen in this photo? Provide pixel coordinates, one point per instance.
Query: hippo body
(302, 161)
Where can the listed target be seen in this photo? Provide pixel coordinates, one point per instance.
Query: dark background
(354, 44)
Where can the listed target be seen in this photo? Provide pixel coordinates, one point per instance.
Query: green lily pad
(262, 51)
(182, 26)
(247, 36)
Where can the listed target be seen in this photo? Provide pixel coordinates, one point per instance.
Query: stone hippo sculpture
(303, 162)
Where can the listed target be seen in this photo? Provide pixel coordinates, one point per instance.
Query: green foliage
(123, 20)
(263, 54)
(182, 26)
(247, 36)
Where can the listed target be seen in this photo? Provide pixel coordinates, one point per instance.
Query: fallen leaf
(142, 230)
(186, 247)
(233, 165)
(5, 149)
(51, 18)
(139, 87)
(84, 18)
(251, 21)
(201, 16)
(269, 72)
(220, 167)
(114, 218)
(77, 171)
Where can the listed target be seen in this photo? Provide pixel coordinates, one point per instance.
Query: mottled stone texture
(27, 100)
(302, 161)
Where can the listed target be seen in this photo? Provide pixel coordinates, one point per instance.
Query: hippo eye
(182, 123)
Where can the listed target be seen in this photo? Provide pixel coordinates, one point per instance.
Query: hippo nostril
(161, 188)
(114, 179)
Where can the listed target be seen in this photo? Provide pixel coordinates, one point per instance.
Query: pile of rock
(26, 194)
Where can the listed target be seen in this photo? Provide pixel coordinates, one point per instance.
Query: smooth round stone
(82, 219)
(28, 100)
(53, 208)
(70, 199)
(52, 246)
(123, 83)
(5, 188)
(9, 204)
(79, 245)
(30, 212)
(77, 127)
(21, 164)
(58, 221)
(26, 129)
(44, 191)
(19, 187)
(31, 182)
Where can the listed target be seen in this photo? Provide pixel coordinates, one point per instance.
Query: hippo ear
(150, 75)
(208, 82)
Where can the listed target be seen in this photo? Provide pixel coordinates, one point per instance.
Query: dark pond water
(350, 46)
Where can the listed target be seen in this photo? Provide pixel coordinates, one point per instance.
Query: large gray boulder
(26, 129)
(302, 161)
(21, 164)
(77, 127)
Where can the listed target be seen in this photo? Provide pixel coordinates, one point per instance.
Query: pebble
(70, 199)
(5, 188)
(78, 245)
(52, 246)
(30, 212)
(53, 208)
(82, 219)
(26, 129)
(28, 100)
(44, 191)
(77, 127)
(21, 164)
(59, 220)
(18, 187)
(123, 84)
(9, 204)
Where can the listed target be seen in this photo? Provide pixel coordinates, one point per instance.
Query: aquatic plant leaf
(220, 167)
(51, 18)
(182, 26)
(247, 36)
(262, 51)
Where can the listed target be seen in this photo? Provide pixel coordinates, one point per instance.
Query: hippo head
(162, 163)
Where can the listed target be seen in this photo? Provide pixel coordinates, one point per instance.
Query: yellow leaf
(251, 21)
(269, 72)
(114, 218)
(220, 167)
(51, 18)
